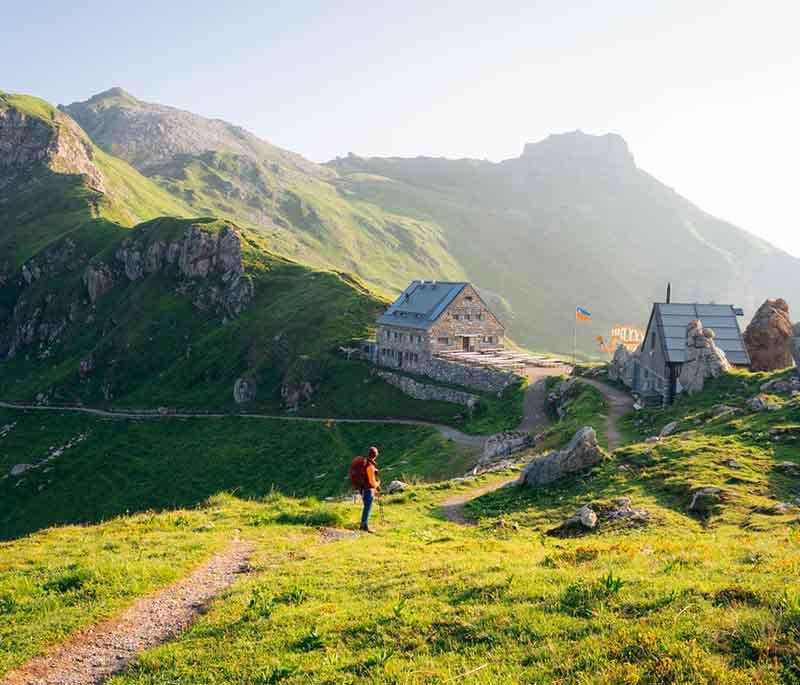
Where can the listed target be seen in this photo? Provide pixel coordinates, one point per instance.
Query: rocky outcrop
(244, 389)
(622, 364)
(98, 279)
(296, 393)
(597, 516)
(769, 337)
(581, 454)
(208, 263)
(762, 402)
(31, 145)
(504, 444)
(426, 391)
(703, 358)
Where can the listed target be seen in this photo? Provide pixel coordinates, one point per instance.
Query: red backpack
(358, 473)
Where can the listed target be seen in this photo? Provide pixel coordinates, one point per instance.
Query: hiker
(364, 476)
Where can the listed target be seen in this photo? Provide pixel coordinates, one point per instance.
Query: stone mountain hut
(663, 352)
(432, 317)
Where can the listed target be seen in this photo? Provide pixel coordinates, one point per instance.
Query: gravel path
(619, 404)
(103, 650)
(535, 420)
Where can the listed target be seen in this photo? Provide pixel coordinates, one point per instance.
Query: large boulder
(582, 453)
(769, 337)
(703, 358)
(616, 369)
(244, 389)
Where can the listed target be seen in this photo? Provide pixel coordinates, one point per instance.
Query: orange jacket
(372, 476)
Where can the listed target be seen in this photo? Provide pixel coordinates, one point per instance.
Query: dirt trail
(619, 404)
(535, 419)
(461, 439)
(101, 651)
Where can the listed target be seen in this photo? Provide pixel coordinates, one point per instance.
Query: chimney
(669, 292)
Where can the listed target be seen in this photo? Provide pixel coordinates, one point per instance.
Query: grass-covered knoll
(582, 405)
(107, 467)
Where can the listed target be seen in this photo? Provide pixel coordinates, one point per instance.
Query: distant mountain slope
(571, 222)
(222, 170)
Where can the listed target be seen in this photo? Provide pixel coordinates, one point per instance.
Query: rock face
(296, 393)
(703, 358)
(582, 453)
(504, 444)
(98, 279)
(209, 263)
(769, 337)
(30, 145)
(244, 389)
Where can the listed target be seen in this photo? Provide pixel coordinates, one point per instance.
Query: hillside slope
(222, 170)
(573, 222)
(173, 311)
(670, 586)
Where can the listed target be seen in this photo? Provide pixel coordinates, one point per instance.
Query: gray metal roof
(421, 303)
(672, 320)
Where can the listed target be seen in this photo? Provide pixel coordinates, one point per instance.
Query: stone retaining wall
(475, 377)
(424, 391)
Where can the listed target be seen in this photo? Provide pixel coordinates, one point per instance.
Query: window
(468, 317)
(456, 317)
(468, 298)
(653, 340)
(444, 341)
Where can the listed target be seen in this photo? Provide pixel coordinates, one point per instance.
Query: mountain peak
(609, 149)
(115, 93)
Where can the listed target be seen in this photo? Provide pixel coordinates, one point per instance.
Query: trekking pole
(380, 506)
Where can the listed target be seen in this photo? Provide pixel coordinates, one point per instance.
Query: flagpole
(574, 338)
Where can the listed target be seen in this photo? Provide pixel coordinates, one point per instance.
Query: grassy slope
(685, 600)
(123, 465)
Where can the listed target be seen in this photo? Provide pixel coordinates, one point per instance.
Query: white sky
(706, 93)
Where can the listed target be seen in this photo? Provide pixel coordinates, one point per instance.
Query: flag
(582, 314)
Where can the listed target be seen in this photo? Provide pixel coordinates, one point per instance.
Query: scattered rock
(703, 358)
(244, 389)
(295, 394)
(652, 440)
(783, 385)
(669, 429)
(769, 336)
(582, 453)
(85, 367)
(722, 409)
(587, 517)
(504, 444)
(761, 403)
(732, 463)
(705, 500)
(19, 469)
(396, 486)
(788, 468)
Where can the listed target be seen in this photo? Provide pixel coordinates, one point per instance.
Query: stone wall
(475, 377)
(467, 316)
(425, 391)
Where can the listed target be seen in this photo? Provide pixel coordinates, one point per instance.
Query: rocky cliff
(34, 139)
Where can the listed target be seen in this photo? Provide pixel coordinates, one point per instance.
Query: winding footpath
(536, 419)
(101, 651)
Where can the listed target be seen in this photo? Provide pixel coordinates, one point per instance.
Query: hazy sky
(707, 93)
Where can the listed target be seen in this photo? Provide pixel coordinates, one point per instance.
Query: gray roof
(672, 320)
(421, 303)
